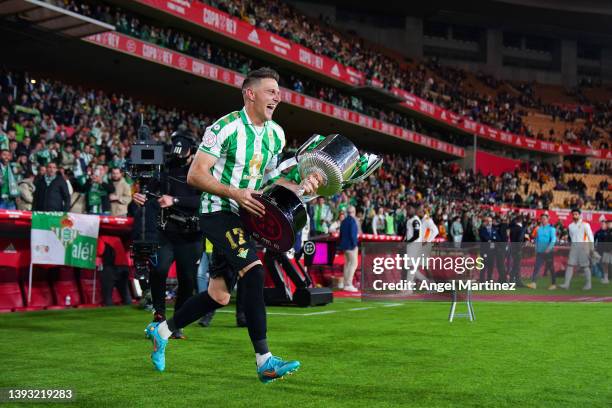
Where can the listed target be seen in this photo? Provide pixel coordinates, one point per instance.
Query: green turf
(514, 355)
(598, 289)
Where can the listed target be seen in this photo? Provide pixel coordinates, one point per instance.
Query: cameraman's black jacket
(173, 182)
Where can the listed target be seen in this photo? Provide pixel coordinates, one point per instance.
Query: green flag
(64, 239)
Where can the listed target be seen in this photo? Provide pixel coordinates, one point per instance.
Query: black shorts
(233, 248)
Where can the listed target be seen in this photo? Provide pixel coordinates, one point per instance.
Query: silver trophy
(335, 159)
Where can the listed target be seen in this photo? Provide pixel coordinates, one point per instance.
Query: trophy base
(285, 217)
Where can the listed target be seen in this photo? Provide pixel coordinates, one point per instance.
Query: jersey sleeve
(213, 139)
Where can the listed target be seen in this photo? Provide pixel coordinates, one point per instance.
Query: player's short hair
(576, 210)
(259, 74)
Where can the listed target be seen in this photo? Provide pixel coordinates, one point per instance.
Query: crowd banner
(59, 238)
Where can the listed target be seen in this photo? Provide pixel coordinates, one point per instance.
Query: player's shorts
(579, 254)
(606, 258)
(233, 248)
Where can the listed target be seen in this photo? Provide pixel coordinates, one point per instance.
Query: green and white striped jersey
(244, 155)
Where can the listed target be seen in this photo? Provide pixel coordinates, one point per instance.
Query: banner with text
(218, 21)
(460, 122)
(164, 56)
(64, 239)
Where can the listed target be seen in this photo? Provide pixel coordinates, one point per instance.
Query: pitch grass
(514, 355)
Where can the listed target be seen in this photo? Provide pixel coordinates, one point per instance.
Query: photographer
(163, 223)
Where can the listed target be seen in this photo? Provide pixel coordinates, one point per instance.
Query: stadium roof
(52, 18)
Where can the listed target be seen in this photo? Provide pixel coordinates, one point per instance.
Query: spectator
(122, 196)
(26, 192)
(51, 191)
(456, 231)
(321, 217)
(518, 234)
(8, 184)
(379, 222)
(98, 194)
(348, 244)
(113, 276)
(490, 238)
(603, 245)
(545, 238)
(581, 249)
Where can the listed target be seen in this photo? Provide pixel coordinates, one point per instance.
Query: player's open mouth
(270, 108)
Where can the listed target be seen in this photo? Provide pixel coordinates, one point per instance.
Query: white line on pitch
(319, 313)
(270, 313)
(324, 312)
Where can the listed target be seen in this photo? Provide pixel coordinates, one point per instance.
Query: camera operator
(164, 223)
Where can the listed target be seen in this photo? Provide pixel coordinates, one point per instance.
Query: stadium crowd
(447, 193)
(430, 80)
(51, 131)
(444, 88)
(50, 128)
(130, 24)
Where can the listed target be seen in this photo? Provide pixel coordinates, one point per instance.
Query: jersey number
(235, 233)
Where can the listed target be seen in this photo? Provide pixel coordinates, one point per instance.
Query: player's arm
(590, 237)
(201, 178)
(416, 231)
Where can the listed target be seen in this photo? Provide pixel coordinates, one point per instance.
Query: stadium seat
(10, 291)
(64, 285)
(42, 296)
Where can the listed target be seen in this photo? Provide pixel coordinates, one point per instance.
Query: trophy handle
(305, 146)
(300, 190)
(377, 163)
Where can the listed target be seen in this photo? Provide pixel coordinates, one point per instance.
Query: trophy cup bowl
(335, 159)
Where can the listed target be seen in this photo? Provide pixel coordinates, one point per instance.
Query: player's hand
(139, 199)
(244, 198)
(165, 201)
(311, 183)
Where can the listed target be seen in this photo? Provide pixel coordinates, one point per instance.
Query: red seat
(10, 291)
(42, 296)
(10, 296)
(65, 285)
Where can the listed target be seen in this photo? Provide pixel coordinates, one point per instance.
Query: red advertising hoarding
(160, 55)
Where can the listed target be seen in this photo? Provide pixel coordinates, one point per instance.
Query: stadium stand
(500, 104)
(84, 130)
